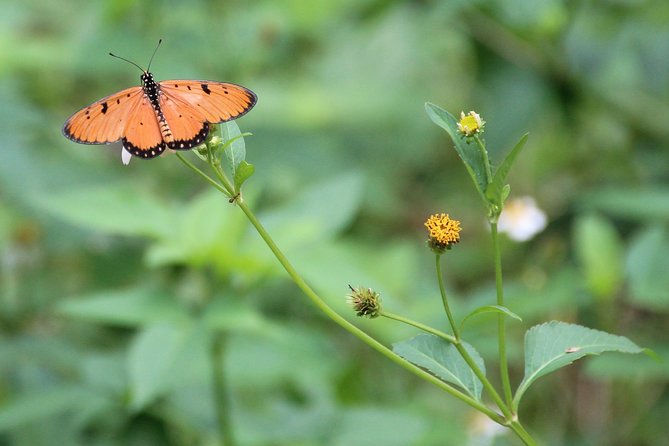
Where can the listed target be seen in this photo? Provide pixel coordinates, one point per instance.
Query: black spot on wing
(144, 153)
(104, 108)
(205, 88)
(185, 144)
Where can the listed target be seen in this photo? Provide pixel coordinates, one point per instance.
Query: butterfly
(172, 114)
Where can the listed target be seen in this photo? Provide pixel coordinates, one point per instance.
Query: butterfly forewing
(215, 101)
(103, 121)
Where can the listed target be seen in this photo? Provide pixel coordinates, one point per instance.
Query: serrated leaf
(243, 173)
(469, 153)
(554, 344)
(490, 309)
(443, 360)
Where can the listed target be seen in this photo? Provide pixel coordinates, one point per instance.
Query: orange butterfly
(168, 114)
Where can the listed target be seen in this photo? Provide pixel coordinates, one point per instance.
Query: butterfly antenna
(129, 61)
(154, 53)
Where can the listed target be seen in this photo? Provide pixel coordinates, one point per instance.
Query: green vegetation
(139, 307)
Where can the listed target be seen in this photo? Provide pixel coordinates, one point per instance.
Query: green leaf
(150, 361)
(128, 308)
(124, 209)
(235, 150)
(496, 189)
(647, 264)
(243, 173)
(599, 250)
(33, 407)
(490, 309)
(316, 213)
(554, 344)
(443, 360)
(642, 204)
(469, 153)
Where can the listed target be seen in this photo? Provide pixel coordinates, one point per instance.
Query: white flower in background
(483, 431)
(125, 156)
(521, 219)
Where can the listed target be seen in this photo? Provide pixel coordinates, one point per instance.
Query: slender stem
(226, 190)
(221, 395)
(332, 314)
(519, 430)
(425, 328)
(463, 352)
(501, 319)
(444, 298)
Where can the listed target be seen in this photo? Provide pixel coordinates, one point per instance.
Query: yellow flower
(365, 301)
(470, 124)
(443, 232)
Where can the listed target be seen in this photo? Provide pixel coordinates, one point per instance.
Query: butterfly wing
(189, 106)
(142, 136)
(104, 121)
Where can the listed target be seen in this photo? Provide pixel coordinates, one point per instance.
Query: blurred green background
(113, 278)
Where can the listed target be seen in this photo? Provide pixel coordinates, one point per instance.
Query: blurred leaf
(632, 203)
(647, 266)
(381, 426)
(150, 360)
(443, 360)
(131, 308)
(498, 190)
(33, 407)
(618, 366)
(554, 344)
(599, 249)
(229, 315)
(317, 212)
(490, 309)
(469, 152)
(124, 209)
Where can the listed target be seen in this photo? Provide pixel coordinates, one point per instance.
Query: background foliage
(112, 276)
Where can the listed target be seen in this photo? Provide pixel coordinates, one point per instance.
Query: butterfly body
(148, 119)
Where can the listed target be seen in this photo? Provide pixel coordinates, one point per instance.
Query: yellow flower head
(443, 232)
(470, 124)
(365, 302)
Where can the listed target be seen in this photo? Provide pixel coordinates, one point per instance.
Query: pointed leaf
(150, 361)
(243, 173)
(235, 149)
(554, 344)
(469, 153)
(490, 309)
(497, 187)
(443, 360)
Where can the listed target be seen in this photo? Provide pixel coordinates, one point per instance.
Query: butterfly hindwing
(188, 127)
(103, 121)
(142, 136)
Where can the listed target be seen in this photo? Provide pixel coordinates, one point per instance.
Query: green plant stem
(337, 318)
(505, 408)
(426, 328)
(444, 298)
(463, 352)
(221, 396)
(226, 189)
(519, 430)
(501, 319)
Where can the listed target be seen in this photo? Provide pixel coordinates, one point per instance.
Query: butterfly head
(147, 78)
